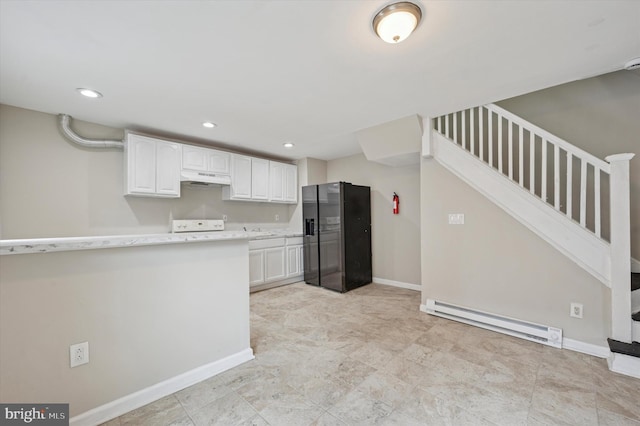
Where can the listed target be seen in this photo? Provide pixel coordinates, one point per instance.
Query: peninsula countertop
(46, 245)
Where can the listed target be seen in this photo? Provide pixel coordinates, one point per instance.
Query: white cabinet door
(274, 264)
(141, 165)
(256, 267)
(293, 261)
(276, 181)
(301, 260)
(152, 167)
(290, 183)
(241, 177)
(218, 162)
(168, 168)
(259, 179)
(194, 158)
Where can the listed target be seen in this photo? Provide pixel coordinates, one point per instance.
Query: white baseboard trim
(400, 284)
(624, 364)
(123, 405)
(586, 348)
(635, 265)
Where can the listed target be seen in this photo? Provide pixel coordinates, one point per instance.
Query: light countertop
(46, 245)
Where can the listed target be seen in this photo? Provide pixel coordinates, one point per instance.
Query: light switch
(456, 218)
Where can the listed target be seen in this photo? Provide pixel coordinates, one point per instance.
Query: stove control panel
(197, 225)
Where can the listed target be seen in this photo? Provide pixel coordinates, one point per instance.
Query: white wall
(395, 238)
(50, 187)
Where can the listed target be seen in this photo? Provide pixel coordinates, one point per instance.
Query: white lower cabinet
(274, 264)
(275, 261)
(256, 267)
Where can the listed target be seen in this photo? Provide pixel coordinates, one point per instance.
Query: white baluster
(543, 172)
(481, 131)
(510, 149)
(490, 120)
(464, 129)
(556, 177)
(472, 132)
(583, 192)
(569, 185)
(500, 143)
(521, 155)
(440, 129)
(455, 127)
(596, 202)
(532, 162)
(447, 126)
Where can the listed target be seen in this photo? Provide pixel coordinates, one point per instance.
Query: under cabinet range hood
(204, 178)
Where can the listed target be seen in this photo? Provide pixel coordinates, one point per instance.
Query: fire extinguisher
(396, 203)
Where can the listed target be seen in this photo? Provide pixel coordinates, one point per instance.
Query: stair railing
(591, 192)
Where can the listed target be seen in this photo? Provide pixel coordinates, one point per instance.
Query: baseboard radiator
(525, 330)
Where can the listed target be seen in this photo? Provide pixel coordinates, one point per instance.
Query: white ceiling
(311, 72)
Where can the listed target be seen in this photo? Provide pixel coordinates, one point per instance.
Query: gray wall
(52, 188)
(600, 115)
(148, 313)
(495, 264)
(395, 238)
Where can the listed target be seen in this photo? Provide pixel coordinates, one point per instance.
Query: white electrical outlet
(576, 310)
(79, 354)
(224, 217)
(277, 217)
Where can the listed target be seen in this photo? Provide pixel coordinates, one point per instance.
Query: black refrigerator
(337, 235)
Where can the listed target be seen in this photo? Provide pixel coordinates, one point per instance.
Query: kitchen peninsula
(160, 312)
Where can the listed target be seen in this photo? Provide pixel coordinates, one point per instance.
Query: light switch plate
(456, 218)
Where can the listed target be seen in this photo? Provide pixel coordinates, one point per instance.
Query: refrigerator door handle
(309, 227)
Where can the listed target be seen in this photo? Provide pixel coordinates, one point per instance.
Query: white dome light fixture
(395, 22)
(288, 145)
(209, 124)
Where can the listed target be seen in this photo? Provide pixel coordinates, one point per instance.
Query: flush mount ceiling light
(397, 21)
(288, 145)
(208, 125)
(89, 93)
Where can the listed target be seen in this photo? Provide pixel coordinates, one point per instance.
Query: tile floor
(369, 357)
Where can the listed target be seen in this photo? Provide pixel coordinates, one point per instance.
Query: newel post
(620, 247)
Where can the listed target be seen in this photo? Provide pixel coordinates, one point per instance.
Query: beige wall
(599, 115)
(495, 264)
(50, 187)
(148, 313)
(395, 238)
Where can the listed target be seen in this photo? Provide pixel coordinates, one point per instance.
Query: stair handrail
(601, 164)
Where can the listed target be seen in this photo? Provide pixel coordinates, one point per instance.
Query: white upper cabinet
(259, 179)
(283, 182)
(290, 183)
(205, 160)
(276, 181)
(240, 178)
(219, 162)
(152, 167)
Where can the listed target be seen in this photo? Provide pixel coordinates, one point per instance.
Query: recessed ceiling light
(288, 145)
(89, 93)
(209, 125)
